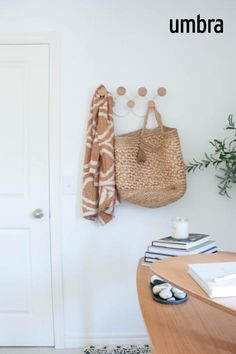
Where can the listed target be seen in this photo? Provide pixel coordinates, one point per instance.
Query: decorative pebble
(179, 294)
(165, 294)
(174, 289)
(161, 287)
(171, 299)
(153, 278)
(156, 289)
(166, 286)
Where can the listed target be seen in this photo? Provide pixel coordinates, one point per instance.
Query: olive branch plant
(223, 158)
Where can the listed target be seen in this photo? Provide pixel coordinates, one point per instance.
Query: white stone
(166, 286)
(156, 289)
(171, 299)
(179, 294)
(174, 289)
(165, 294)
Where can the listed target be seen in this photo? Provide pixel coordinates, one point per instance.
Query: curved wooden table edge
(140, 298)
(204, 297)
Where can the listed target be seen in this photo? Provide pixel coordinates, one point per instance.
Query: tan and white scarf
(99, 193)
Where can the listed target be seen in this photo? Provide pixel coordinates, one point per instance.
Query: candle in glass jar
(180, 227)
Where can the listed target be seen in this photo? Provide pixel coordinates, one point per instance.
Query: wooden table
(194, 327)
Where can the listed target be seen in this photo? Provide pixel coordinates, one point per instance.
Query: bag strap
(141, 156)
(151, 105)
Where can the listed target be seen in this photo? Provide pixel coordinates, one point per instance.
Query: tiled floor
(4, 350)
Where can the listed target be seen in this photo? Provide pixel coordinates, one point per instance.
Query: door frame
(52, 39)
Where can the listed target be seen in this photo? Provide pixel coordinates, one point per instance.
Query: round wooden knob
(161, 91)
(130, 103)
(121, 91)
(102, 90)
(151, 104)
(142, 91)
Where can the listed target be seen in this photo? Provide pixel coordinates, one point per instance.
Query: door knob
(38, 213)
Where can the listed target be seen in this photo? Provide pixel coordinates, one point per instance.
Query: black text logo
(199, 25)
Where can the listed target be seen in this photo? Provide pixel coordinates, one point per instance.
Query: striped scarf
(99, 193)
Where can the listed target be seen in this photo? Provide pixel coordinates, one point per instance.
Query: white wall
(128, 43)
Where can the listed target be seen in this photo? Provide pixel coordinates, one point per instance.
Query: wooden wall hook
(142, 91)
(130, 103)
(121, 91)
(161, 91)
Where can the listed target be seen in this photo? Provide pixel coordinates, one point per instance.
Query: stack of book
(170, 247)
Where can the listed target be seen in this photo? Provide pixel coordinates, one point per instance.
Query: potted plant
(222, 158)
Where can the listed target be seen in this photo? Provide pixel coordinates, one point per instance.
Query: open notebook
(212, 277)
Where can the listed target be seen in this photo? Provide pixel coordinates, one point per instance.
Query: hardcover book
(216, 279)
(192, 241)
(152, 257)
(181, 252)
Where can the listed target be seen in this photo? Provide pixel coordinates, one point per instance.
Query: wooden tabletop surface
(193, 327)
(174, 270)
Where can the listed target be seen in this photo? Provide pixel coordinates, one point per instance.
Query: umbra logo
(198, 25)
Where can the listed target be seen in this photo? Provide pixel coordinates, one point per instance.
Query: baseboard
(73, 341)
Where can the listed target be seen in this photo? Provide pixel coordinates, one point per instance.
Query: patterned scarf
(99, 193)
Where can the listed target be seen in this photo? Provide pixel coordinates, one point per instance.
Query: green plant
(223, 158)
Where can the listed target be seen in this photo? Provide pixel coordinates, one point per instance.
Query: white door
(25, 269)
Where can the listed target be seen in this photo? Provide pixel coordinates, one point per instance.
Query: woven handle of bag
(158, 119)
(141, 156)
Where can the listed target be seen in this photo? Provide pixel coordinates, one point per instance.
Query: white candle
(180, 227)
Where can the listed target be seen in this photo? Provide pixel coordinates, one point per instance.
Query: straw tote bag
(149, 165)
